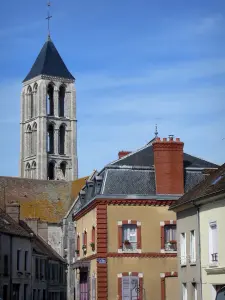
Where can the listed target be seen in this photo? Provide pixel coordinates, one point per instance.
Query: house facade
(125, 236)
(200, 225)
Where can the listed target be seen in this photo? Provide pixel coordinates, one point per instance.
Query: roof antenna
(156, 131)
(48, 18)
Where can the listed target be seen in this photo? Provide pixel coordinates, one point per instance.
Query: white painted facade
(212, 239)
(35, 156)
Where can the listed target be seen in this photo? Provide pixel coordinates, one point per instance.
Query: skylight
(215, 181)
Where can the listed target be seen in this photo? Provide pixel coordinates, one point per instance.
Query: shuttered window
(130, 286)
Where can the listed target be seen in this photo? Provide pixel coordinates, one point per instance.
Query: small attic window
(215, 181)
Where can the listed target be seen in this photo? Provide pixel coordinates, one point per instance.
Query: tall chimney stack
(13, 210)
(168, 161)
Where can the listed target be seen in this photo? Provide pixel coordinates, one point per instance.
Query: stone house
(15, 258)
(200, 226)
(45, 206)
(126, 243)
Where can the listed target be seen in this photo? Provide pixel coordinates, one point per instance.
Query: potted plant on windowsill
(92, 244)
(126, 243)
(173, 244)
(77, 252)
(84, 247)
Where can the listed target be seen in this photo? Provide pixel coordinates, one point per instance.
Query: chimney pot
(164, 139)
(123, 153)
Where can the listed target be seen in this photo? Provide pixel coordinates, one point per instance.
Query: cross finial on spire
(48, 18)
(156, 131)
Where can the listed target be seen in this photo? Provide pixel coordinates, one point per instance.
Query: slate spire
(50, 63)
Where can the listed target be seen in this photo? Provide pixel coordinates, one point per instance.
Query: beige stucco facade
(86, 223)
(150, 218)
(212, 276)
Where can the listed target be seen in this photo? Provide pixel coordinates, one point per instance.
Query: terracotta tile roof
(44, 199)
(213, 184)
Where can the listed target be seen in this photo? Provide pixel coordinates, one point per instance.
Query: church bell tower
(48, 141)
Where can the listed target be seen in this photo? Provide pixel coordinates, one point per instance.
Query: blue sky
(136, 63)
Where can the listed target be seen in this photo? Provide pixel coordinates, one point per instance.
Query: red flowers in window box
(126, 242)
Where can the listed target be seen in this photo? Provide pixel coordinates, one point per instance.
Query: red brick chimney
(168, 161)
(123, 153)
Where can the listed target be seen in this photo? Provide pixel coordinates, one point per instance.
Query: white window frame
(213, 242)
(183, 249)
(184, 291)
(192, 247)
(134, 247)
(167, 245)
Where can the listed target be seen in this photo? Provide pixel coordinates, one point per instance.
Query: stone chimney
(39, 227)
(168, 162)
(123, 153)
(13, 210)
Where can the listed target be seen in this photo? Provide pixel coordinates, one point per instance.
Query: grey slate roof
(9, 226)
(134, 174)
(213, 184)
(145, 157)
(50, 63)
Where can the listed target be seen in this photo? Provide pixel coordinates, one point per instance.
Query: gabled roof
(213, 184)
(145, 157)
(50, 63)
(9, 226)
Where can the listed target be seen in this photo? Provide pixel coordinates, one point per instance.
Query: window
(5, 291)
(44, 294)
(130, 285)
(184, 291)
(39, 295)
(192, 247)
(18, 260)
(195, 295)
(6, 265)
(25, 296)
(61, 101)
(36, 268)
(34, 295)
(50, 100)
(129, 236)
(50, 139)
(51, 170)
(170, 237)
(213, 243)
(16, 291)
(62, 134)
(183, 255)
(25, 260)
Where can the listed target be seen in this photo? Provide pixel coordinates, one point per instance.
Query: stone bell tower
(48, 141)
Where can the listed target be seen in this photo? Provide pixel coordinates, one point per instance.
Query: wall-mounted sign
(101, 260)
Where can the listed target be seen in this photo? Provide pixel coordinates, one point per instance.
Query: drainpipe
(11, 269)
(199, 247)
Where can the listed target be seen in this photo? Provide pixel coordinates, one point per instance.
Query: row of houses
(29, 267)
(130, 244)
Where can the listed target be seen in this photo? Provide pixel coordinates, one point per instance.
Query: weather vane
(48, 18)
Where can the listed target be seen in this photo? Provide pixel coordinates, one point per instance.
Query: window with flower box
(129, 236)
(170, 238)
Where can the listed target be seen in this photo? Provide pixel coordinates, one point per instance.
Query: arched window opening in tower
(27, 171)
(33, 170)
(62, 92)
(30, 102)
(50, 141)
(28, 141)
(34, 138)
(51, 170)
(63, 168)
(62, 133)
(35, 100)
(50, 100)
